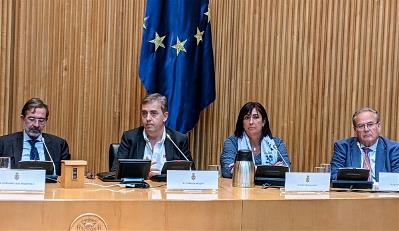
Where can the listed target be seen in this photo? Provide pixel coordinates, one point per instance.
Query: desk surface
(228, 208)
(97, 190)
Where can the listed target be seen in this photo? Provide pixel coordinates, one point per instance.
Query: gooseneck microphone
(185, 157)
(51, 158)
(278, 152)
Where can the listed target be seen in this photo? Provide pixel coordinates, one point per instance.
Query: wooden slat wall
(311, 63)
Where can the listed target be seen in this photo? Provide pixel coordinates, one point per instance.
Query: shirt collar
(162, 139)
(372, 147)
(27, 137)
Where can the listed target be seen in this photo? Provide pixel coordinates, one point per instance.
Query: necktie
(366, 161)
(34, 154)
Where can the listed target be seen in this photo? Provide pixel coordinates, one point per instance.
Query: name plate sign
(186, 179)
(307, 182)
(22, 180)
(389, 181)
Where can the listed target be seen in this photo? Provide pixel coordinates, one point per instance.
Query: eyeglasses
(40, 121)
(370, 125)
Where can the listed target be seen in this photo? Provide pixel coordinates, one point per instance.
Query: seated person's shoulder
(134, 131)
(231, 139)
(278, 139)
(49, 137)
(348, 140)
(389, 142)
(175, 134)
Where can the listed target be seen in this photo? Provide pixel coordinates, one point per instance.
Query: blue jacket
(347, 154)
(230, 150)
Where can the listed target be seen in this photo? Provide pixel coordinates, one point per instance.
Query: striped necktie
(366, 161)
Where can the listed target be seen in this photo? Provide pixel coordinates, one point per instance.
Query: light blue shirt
(157, 153)
(372, 157)
(26, 148)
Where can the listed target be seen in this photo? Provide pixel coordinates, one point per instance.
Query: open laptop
(39, 164)
(172, 165)
(129, 170)
(356, 178)
(270, 175)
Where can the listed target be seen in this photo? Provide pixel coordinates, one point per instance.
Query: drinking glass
(327, 167)
(215, 167)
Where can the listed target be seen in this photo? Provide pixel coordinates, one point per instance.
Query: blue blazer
(230, 149)
(347, 154)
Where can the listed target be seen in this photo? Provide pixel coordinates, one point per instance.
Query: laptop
(172, 165)
(38, 164)
(353, 178)
(129, 170)
(270, 175)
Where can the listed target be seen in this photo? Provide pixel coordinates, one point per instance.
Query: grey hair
(365, 109)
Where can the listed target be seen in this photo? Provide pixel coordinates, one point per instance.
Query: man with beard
(368, 149)
(150, 141)
(32, 143)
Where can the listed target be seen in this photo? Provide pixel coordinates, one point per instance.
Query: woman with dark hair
(253, 132)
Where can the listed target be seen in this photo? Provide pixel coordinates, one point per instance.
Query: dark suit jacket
(132, 146)
(11, 145)
(347, 154)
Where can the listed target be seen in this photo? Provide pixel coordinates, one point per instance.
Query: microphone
(51, 158)
(281, 156)
(185, 157)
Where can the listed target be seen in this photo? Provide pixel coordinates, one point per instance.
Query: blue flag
(177, 58)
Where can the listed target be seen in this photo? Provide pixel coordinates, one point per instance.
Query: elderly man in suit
(152, 140)
(32, 143)
(368, 149)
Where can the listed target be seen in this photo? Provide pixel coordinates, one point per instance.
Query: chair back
(113, 152)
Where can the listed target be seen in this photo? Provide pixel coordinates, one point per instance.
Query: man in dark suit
(151, 141)
(368, 149)
(32, 143)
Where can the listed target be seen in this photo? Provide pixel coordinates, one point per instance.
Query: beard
(33, 133)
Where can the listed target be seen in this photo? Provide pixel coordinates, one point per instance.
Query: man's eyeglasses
(370, 125)
(40, 121)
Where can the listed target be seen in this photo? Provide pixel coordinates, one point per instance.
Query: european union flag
(177, 58)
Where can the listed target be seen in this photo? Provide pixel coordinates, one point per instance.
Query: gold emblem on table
(88, 222)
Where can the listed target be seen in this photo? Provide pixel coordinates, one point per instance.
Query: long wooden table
(228, 208)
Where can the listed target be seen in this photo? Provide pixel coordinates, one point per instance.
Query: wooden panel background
(311, 63)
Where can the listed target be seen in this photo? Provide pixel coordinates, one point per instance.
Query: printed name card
(22, 180)
(307, 182)
(186, 179)
(389, 181)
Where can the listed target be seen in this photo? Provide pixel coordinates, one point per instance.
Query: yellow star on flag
(179, 46)
(208, 13)
(198, 36)
(157, 41)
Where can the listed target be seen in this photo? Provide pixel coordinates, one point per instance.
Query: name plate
(389, 181)
(186, 179)
(22, 180)
(307, 182)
